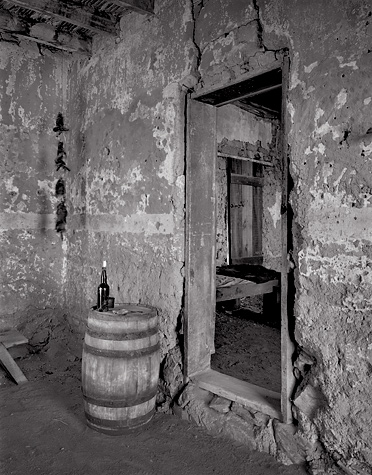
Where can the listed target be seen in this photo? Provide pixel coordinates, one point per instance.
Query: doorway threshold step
(249, 395)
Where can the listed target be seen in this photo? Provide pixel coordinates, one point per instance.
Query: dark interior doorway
(247, 329)
(202, 289)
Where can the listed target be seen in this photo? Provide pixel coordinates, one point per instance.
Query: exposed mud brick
(172, 372)
(291, 448)
(248, 33)
(260, 60)
(310, 400)
(220, 17)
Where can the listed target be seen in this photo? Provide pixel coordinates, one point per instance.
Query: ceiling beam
(68, 11)
(56, 44)
(257, 109)
(144, 7)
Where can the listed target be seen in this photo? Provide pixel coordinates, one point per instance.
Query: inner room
(249, 239)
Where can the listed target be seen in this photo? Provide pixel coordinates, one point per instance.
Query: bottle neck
(103, 276)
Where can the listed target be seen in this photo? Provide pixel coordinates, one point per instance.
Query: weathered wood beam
(82, 48)
(144, 7)
(54, 44)
(258, 110)
(67, 11)
(11, 366)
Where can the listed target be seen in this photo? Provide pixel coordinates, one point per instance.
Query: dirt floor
(43, 429)
(247, 343)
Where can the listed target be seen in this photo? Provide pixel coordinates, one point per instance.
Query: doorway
(201, 223)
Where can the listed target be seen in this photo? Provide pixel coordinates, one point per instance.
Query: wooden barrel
(120, 368)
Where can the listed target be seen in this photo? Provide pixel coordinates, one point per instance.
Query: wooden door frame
(200, 243)
(200, 238)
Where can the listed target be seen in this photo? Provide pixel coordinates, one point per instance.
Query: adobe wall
(330, 146)
(32, 92)
(126, 192)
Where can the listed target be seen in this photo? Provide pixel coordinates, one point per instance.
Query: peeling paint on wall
(29, 86)
(275, 209)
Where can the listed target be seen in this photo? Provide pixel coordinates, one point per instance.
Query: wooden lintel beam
(67, 11)
(83, 49)
(53, 44)
(145, 7)
(258, 110)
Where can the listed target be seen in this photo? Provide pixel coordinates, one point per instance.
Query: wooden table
(236, 282)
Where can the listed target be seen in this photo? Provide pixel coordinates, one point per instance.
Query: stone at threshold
(239, 430)
(309, 401)
(291, 447)
(193, 392)
(261, 419)
(265, 438)
(220, 404)
(244, 413)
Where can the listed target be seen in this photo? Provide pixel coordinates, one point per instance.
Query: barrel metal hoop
(121, 403)
(117, 425)
(122, 335)
(120, 353)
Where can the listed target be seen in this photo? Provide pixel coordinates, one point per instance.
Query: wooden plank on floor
(12, 338)
(11, 366)
(249, 395)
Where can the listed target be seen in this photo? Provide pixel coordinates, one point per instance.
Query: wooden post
(287, 347)
(200, 286)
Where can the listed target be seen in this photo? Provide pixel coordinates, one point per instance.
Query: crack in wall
(259, 25)
(193, 39)
(226, 34)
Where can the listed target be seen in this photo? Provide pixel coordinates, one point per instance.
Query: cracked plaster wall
(32, 254)
(126, 193)
(329, 101)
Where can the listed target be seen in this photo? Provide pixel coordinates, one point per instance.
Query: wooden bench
(8, 340)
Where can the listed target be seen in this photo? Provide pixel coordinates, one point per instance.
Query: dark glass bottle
(103, 290)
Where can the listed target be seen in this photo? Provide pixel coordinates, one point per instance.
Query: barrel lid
(127, 310)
